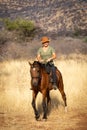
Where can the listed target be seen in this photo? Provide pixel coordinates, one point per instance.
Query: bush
(11, 25)
(77, 32)
(25, 27)
(3, 37)
(85, 39)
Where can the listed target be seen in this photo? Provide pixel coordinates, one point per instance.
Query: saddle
(48, 69)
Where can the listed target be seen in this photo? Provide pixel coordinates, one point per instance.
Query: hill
(55, 17)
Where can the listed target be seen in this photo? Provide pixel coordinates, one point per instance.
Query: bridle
(35, 68)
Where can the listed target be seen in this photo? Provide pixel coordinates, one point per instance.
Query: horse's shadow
(54, 105)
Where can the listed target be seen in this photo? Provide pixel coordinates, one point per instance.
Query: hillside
(55, 17)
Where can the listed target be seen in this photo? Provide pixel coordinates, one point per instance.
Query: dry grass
(15, 84)
(16, 96)
(75, 82)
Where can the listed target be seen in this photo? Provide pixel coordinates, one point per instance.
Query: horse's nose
(35, 83)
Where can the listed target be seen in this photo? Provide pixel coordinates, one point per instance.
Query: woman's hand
(41, 61)
(48, 60)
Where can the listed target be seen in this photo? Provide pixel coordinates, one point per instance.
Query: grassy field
(16, 96)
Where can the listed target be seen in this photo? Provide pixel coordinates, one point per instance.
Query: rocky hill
(54, 17)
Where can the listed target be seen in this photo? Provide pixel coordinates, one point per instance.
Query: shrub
(11, 25)
(3, 37)
(25, 27)
(85, 39)
(77, 32)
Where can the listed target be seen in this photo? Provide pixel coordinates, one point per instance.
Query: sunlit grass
(15, 93)
(75, 82)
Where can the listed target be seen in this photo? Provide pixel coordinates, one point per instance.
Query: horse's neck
(43, 73)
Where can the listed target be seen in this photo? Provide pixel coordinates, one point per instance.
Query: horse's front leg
(48, 101)
(34, 105)
(44, 104)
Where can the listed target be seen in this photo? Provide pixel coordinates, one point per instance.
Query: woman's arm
(39, 58)
(52, 58)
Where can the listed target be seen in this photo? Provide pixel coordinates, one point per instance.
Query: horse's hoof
(66, 109)
(44, 119)
(38, 117)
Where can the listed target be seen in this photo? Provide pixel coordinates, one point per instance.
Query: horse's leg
(64, 98)
(34, 94)
(44, 104)
(48, 99)
(61, 89)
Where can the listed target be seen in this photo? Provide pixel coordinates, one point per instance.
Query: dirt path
(73, 120)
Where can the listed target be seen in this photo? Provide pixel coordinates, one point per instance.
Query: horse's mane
(36, 63)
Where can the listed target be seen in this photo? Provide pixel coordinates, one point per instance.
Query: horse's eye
(32, 67)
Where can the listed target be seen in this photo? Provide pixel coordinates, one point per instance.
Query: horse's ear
(29, 63)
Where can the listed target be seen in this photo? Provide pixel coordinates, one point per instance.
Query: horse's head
(35, 73)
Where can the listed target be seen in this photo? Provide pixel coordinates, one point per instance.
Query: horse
(40, 82)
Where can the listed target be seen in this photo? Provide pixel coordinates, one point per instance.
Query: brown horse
(40, 82)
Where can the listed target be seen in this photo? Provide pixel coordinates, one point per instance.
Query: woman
(47, 54)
